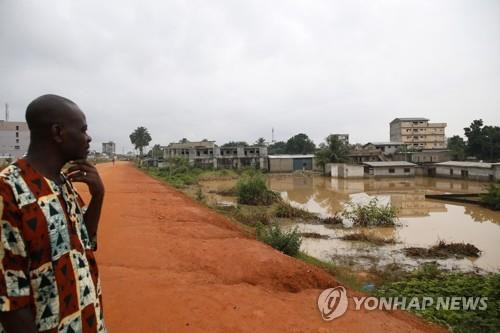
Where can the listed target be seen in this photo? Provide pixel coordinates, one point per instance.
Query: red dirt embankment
(169, 264)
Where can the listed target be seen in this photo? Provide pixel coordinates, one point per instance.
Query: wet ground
(422, 222)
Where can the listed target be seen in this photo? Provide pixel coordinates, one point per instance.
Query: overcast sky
(233, 70)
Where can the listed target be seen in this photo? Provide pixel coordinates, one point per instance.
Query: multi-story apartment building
(418, 133)
(108, 148)
(208, 154)
(342, 138)
(14, 139)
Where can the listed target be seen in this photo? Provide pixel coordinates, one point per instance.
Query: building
(387, 148)
(208, 154)
(468, 170)
(424, 156)
(418, 133)
(291, 163)
(342, 138)
(108, 148)
(360, 155)
(390, 169)
(342, 170)
(14, 139)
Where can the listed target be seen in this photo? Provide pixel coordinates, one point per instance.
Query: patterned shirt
(46, 255)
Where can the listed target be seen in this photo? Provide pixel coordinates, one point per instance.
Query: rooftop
(291, 156)
(390, 164)
(409, 119)
(465, 164)
(387, 143)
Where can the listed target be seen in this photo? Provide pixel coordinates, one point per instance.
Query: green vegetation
(252, 189)
(483, 142)
(140, 138)
(457, 146)
(444, 250)
(333, 151)
(300, 144)
(371, 214)
(429, 281)
(362, 237)
(284, 209)
(287, 242)
(491, 198)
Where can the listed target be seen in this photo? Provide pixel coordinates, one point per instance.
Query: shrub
(491, 198)
(428, 281)
(252, 190)
(287, 242)
(370, 214)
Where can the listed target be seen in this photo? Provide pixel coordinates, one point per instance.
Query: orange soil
(169, 264)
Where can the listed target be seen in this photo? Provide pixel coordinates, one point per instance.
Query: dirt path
(169, 264)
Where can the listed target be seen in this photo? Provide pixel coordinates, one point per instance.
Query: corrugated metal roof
(389, 164)
(465, 164)
(291, 156)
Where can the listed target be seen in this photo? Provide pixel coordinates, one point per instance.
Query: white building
(390, 169)
(14, 139)
(418, 133)
(342, 170)
(468, 170)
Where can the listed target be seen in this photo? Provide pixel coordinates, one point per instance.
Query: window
(17, 140)
(451, 172)
(407, 170)
(17, 147)
(391, 170)
(17, 134)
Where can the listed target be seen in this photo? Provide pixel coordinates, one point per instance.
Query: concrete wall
(280, 164)
(398, 172)
(347, 171)
(473, 173)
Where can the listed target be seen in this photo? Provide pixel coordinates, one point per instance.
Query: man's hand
(84, 172)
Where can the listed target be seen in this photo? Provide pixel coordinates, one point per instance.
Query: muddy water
(423, 222)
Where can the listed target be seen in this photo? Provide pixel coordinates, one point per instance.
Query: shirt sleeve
(14, 262)
(91, 238)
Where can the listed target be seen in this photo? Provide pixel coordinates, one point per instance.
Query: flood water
(422, 222)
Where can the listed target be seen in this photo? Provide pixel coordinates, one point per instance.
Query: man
(48, 274)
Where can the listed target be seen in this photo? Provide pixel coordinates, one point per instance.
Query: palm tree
(140, 138)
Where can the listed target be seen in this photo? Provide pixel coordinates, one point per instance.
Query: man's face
(75, 145)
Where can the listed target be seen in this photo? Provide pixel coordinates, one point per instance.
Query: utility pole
(6, 111)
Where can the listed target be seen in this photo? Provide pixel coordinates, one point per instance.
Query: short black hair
(46, 110)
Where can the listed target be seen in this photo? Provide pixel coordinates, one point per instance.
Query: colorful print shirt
(46, 255)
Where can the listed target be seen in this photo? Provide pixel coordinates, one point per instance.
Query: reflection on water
(423, 221)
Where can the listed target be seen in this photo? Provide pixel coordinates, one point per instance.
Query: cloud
(232, 70)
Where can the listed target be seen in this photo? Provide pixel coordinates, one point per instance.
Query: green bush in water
(287, 242)
(252, 190)
(491, 198)
(371, 214)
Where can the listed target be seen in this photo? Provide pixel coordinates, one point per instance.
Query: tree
(156, 152)
(277, 148)
(260, 142)
(300, 144)
(457, 146)
(235, 144)
(483, 142)
(333, 151)
(140, 138)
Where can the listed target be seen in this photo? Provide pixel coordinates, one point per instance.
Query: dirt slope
(169, 264)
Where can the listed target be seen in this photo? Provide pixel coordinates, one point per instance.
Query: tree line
(483, 143)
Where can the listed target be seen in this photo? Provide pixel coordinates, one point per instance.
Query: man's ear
(56, 132)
